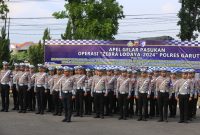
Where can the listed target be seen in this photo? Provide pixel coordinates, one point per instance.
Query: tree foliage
(36, 52)
(189, 21)
(4, 47)
(91, 19)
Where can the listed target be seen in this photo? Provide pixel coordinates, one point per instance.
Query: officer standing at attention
(49, 88)
(173, 101)
(142, 92)
(131, 100)
(14, 90)
(6, 83)
(87, 94)
(31, 97)
(111, 87)
(184, 94)
(55, 91)
(79, 84)
(99, 88)
(40, 87)
(163, 88)
(23, 79)
(66, 93)
(123, 93)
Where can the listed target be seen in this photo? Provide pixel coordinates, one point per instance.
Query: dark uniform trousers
(23, 97)
(67, 103)
(40, 98)
(136, 107)
(88, 103)
(57, 103)
(79, 101)
(131, 105)
(195, 107)
(5, 96)
(15, 97)
(123, 105)
(142, 100)
(183, 106)
(152, 105)
(48, 101)
(109, 102)
(163, 102)
(172, 105)
(31, 99)
(99, 103)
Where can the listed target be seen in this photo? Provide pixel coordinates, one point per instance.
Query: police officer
(49, 88)
(142, 92)
(6, 83)
(31, 93)
(162, 94)
(87, 90)
(117, 74)
(23, 79)
(154, 109)
(14, 90)
(172, 100)
(40, 86)
(79, 84)
(193, 102)
(99, 88)
(123, 93)
(184, 94)
(66, 93)
(111, 87)
(55, 91)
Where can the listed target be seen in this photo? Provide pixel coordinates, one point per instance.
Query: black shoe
(2, 110)
(24, 111)
(64, 120)
(125, 118)
(81, 115)
(144, 119)
(102, 117)
(59, 114)
(76, 115)
(48, 110)
(41, 113)
(160, 120)
(14, 109)
(68, 121)
(55, 114)
(37, 113)
(120, 118)
(180, 121)
(96, 116)
(186, 122)
(166, 120)
(6, 110)
(20, 111)
(139, 119)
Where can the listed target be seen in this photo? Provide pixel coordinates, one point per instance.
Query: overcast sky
(132, 27)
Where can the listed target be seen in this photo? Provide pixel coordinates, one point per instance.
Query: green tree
(36, 52)
(46, 35)
(91, 19)
(4, 41)
(189, 22)
(4, 47)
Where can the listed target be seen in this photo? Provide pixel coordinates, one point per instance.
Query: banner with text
(124, 53)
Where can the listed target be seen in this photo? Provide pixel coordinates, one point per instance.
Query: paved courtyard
(13, 123)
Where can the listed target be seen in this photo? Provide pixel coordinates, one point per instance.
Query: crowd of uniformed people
(145, 94)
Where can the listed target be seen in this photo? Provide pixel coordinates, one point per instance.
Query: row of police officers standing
(146, 94)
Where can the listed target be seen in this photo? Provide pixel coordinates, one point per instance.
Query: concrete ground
(13, 123)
